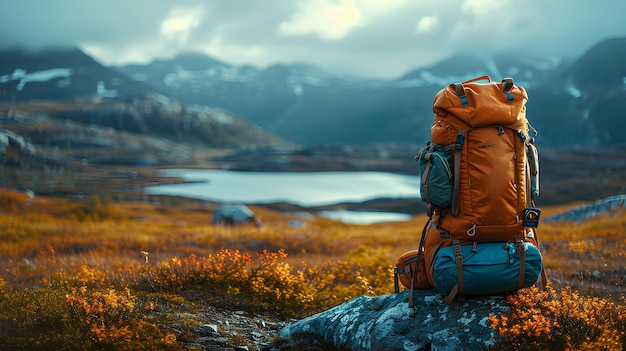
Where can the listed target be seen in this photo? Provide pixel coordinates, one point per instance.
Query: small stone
(273, 326)
(207, 329)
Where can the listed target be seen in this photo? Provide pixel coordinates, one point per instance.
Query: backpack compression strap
(507, 85)
(460, 92)
(458, 146)
(458, 288)
(420, 255)
(406, 270)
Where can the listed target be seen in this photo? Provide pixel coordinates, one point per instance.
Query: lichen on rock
(386, 323)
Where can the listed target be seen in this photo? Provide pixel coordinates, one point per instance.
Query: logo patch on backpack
(531, 217)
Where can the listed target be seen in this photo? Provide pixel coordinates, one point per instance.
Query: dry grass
(107, 271)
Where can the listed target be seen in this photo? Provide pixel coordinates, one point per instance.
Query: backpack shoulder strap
(458, 146)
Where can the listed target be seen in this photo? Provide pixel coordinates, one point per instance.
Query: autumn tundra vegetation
(92, 273)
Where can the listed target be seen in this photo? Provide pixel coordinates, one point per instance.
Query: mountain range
(574, 102)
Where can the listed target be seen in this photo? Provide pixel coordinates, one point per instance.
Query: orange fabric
(493, 189)
(405, 278)
(488, 106)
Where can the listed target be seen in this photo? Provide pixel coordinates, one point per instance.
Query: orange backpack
(483, 130)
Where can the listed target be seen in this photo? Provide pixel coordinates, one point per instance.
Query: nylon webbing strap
(396, 284)
(459, 287)
(507, 85)
(544, 278)
(458, 254)
(460, 92)
(402, 270)
(458, 146)
(420, 254)
(450, 298)
(426, 193)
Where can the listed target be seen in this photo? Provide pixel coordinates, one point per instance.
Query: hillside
(67, 158)
(307, 105)
(91, 273)
(573, 101)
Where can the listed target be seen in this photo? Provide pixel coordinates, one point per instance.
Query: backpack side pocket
(436, 177)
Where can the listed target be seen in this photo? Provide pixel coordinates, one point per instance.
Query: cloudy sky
(377, 38)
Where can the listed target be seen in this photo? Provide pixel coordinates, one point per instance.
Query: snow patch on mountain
(39, 76)
(205, 113)
(101, 90)
(573, 91)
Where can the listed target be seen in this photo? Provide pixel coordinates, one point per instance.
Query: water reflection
(300, 188)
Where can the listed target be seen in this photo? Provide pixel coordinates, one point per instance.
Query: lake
(307, 189)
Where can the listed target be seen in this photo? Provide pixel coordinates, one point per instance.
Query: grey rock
(582, 213)
(11, 139)
(231, 214)
(386, 323)
(207, 329)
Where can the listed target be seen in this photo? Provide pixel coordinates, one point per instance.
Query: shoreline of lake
(304, 189)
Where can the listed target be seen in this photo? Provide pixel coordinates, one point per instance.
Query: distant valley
(60, 108)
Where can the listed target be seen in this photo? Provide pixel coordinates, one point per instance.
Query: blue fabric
(436, 184)
(510, 98)
(493, 269)
(464, 100)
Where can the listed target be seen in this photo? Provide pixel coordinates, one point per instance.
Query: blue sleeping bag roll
(488, 268)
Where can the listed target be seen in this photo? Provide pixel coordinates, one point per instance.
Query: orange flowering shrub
(337, 282)
(221, 271)
(562, 320)
(104, 316)
(266, 280)
(275, 284)
(76, 274)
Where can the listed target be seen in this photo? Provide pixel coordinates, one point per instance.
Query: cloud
(334, 19)
(180, 22)
(328, 20)
(481, 7)
(427, 24)
(367, 37)
(232, 50)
